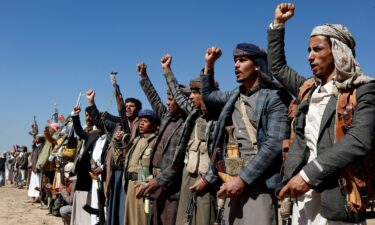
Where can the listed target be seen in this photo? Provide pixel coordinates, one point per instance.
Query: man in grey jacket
(194, 144)
(315, 159)
(257, 110)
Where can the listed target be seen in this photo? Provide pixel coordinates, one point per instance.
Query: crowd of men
(208, 156)
(14, 166)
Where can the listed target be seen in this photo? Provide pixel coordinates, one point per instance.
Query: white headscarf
(348, 70)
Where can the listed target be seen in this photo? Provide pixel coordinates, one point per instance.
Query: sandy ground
(14, 210)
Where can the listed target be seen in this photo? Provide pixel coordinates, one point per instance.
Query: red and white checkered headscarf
(55, 127)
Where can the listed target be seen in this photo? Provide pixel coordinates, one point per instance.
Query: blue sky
(51, 50)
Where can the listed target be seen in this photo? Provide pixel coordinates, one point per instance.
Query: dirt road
(14, 210)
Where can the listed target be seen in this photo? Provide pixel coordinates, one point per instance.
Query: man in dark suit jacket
(83, 167)
(315, 159)
(258, 111)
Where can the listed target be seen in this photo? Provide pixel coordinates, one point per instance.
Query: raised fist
(166, 61)
(283, 12)
(90, 96)
(77, 109)
(212, 54)
(142, 69)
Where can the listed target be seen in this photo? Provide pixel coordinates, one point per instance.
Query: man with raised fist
(321, 150)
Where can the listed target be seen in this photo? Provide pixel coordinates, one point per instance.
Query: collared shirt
(240, 132)
(317, 106)
(98, 149)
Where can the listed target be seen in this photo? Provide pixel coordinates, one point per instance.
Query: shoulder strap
(303, 94)
(250, 128)
(305, 89)
(358, 177)
(346, 103)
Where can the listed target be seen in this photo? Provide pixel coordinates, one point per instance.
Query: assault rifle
(189, 209)
(55, 115)
(101, 201)
(34, 128)
(120, 104)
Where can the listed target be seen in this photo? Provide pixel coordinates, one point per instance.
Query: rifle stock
(100, 212)
(101, 201)
(34, 128)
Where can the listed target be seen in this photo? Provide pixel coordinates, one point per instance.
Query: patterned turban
(348, 70)
(257, 55)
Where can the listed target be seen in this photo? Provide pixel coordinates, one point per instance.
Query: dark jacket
(169, 178)
(100, 123)
(272, 127)
(109, 123)
(22, 161)
(2, 164)
(324, 171)
(84, 180)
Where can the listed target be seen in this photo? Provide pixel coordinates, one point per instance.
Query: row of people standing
(14, 167)
(181, 158)
(178, 162)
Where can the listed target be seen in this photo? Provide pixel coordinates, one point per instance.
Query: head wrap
(184, 89)
(348, 70)
(55, 127)
(39, 136)
(68, 168)
(24, 149)
(255, 53)
(149, 114)
(196, 83)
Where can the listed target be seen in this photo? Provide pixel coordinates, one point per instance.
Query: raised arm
(276, 50)
(153, 97)
(210, 95)
(96, 117)
(77, 124)
(181, 99)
